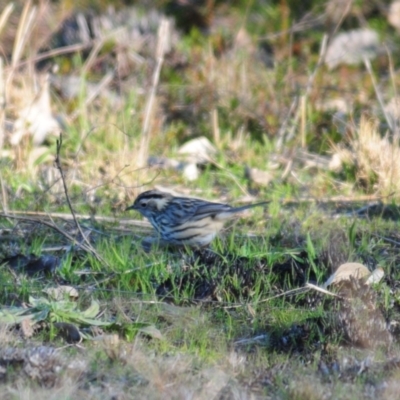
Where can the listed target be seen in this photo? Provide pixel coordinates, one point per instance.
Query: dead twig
(337, 199)
(162, 45)
(49, 225)
(73, 48)
(134, 222)
(88, 246)
(378, 93)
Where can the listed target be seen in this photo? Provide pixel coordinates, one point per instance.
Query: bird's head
(150, 203)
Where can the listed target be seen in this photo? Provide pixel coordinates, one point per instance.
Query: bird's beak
(132, 207)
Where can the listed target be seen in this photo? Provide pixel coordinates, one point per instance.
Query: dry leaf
(345, 271)
(27, 327)
(61, 292)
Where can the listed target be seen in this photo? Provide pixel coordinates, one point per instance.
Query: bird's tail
(243, 208)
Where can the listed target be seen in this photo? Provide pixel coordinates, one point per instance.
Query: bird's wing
(210, 209)
(183, 212)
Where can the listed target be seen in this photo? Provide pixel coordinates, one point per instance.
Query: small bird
(184, 221)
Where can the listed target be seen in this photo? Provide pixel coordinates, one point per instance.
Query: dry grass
(131, 371)
(375, 159)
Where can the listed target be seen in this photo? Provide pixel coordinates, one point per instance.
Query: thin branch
(52, 226)
(59, 167)
(128, 221)
(54, 52)
(379, 96)
(58, 164)
(291, 292)
(163, 33)
(337, 199)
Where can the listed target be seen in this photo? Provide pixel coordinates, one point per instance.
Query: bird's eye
(144, 204)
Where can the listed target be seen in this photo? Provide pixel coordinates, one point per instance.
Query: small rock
(352, 47)
(191, 172)
(198, 151)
